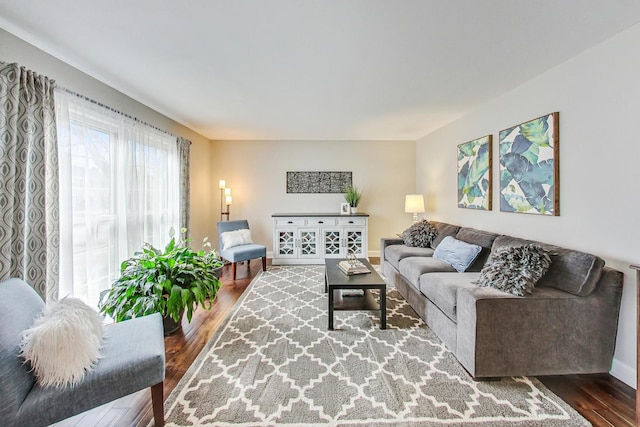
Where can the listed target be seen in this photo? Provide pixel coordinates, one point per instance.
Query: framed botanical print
(529, 167)
(474, 174)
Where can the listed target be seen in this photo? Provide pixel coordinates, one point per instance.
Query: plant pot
(354, 210)
(170, 326)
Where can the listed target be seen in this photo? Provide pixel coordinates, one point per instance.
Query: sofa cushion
(443, 230)
(441, 289)
(412, 268)
(515, 269)
(457, 253)
(395, 253)
(571, 271)
(420, 234)
(481, 238)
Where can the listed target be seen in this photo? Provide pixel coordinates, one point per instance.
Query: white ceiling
(315, 69)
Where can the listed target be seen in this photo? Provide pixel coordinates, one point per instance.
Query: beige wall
(13, 49)
(256, 173)
(598, 97)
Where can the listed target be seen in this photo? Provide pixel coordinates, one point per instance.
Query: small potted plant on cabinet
(169, 281)
(352, 195)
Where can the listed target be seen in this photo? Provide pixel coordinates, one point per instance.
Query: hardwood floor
(601, 399)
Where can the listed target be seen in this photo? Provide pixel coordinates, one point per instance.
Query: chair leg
(157, 401)
(233, 270)
(264, 263)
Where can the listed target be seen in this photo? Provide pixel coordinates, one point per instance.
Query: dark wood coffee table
(335, 280)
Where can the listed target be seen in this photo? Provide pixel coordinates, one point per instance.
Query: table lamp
(414, 203)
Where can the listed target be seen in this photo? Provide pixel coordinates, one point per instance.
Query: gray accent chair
(132, 359)
(240, 253)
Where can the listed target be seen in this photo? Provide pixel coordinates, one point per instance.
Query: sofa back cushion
(444, 230)
(481, 238)
(571, 271)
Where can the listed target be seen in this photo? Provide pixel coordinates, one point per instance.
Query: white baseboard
(370, 254)
(624, 372)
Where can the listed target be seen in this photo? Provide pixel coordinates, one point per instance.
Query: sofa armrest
(386, 241)
(551, 332)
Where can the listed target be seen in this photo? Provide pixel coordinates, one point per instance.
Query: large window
(119, 188)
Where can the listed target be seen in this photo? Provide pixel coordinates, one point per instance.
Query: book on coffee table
(352, 292)
(350, 268)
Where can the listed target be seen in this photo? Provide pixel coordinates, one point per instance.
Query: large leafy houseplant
(169, 281)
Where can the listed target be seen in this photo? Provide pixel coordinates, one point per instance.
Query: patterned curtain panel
(29, 173)
(185, 201)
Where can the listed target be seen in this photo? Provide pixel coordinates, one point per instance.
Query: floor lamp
(225, 198)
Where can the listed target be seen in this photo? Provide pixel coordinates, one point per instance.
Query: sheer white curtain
(119, 188)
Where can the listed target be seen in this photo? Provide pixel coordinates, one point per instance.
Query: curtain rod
(93, 101)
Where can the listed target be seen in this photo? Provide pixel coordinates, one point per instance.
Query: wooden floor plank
(603, 400)
(614, 418)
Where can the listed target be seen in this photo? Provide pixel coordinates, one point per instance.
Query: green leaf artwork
(529, 167)
(474, 174)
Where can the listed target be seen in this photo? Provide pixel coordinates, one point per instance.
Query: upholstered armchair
(236, 246)
(132, 359)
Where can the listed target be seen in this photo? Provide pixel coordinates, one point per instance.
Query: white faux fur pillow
(64, 343)
(236, 238)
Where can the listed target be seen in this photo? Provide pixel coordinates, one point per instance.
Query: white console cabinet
(310, 238)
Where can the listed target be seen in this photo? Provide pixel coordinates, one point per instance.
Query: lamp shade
(228, 199)
(414, 203)
(222, 183)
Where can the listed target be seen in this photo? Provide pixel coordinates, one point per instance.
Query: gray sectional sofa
(567, 325)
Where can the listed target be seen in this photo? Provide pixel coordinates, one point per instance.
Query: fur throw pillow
(515, 269)
(420, 234)
(236, 238)
(64, 343)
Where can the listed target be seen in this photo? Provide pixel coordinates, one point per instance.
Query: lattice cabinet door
(286, 243)
(355, 241)
(332, 242)
(308, 244)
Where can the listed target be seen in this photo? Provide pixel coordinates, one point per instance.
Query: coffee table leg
(330, 309)
(383, 308)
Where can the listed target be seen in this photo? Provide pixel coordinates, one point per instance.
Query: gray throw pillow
(420, 234)
(460, 255)
(515, 269)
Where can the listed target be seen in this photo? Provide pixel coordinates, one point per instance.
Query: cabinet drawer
(321, 221)
(352, 221)
(290, 221)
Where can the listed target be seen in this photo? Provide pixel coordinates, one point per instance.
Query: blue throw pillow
(457, 253)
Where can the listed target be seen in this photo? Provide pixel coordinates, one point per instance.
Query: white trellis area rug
(274, 363)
